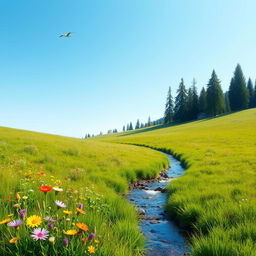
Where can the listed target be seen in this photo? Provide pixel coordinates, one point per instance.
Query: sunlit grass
(216, 198)
(95, 174)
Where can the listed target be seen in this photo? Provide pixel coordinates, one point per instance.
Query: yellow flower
(96, 241)
(52, 239)
(14, 240)
(16, 205)
(34, 221)
(70, 232)
(5, 221)
(67, 212)
(91, 249)
(10, 215)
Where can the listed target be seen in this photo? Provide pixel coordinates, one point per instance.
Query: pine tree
(254, 96)
(250, 92)
(180, 109)
(192, 102)
(130, 127)
(238, 93)
(141, 125)
(215, 97)
(149, 121)
(124, 128)
(227, 104)
(203, 101)
(168, 114)
(127, 127)
(137, 124)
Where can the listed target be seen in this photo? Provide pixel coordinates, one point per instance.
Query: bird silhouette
(66, 35)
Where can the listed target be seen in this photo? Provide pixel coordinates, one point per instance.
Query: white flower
(58, 189)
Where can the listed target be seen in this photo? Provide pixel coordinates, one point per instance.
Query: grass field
(216, 198)
(93, 176)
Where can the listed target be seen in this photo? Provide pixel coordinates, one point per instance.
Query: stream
(164, 238)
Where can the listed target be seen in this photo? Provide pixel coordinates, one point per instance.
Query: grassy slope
(109, 166)
(217, 195)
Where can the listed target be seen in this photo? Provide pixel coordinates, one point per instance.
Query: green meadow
(216, 198)
(95, 174)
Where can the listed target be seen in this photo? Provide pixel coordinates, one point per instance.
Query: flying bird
(66, 35)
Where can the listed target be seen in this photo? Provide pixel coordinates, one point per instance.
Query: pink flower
(40, 233)
(15, 223)
(60, 204)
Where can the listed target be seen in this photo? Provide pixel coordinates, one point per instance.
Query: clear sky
(119, 62)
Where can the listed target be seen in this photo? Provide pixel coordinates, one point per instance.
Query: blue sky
(119, 62)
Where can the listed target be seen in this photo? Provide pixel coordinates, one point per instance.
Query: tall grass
(216, 198)
(93, 173)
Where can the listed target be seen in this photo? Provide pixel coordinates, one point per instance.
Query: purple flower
(23, 213)
(40, 234)
(15, 223)
(60, 204)
(47, 218)
(81, 206)
(65, 242)
(50, 225)
(91, 236)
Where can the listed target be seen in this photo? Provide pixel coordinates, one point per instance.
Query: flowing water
(164, 238)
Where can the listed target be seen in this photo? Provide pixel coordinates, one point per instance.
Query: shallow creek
(164, 238)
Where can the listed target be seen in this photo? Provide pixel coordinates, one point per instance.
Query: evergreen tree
(137, 124)
(189, 104)
(124, 128)
(250, 92)
(149, 121)
(227, 104)
(215, 97)
(254, 96)
(141, 125)
(130, 127)
(203, 101)
(127, 127)
(180, 109)
(238, 93)
(192, 102)
(168, 114)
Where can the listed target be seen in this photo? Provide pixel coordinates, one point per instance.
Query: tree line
(188, 105)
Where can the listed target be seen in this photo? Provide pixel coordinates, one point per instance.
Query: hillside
(216, 196)
(79, 172)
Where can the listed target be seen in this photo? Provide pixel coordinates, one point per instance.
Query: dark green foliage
(215, 97)
(250, 92)
(203, 101)
(124, 128)
(254, 97)
(137, 124)
(127, 127)
(238, 93)
(141, 125)
(227, 104)
(168, 114)
(130, 126)
(192, 102)
(149, 121)
(180, 109)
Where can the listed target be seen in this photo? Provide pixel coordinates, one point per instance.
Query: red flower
(228, 214)
(83, 240)
(45, 189)
(40, 173)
